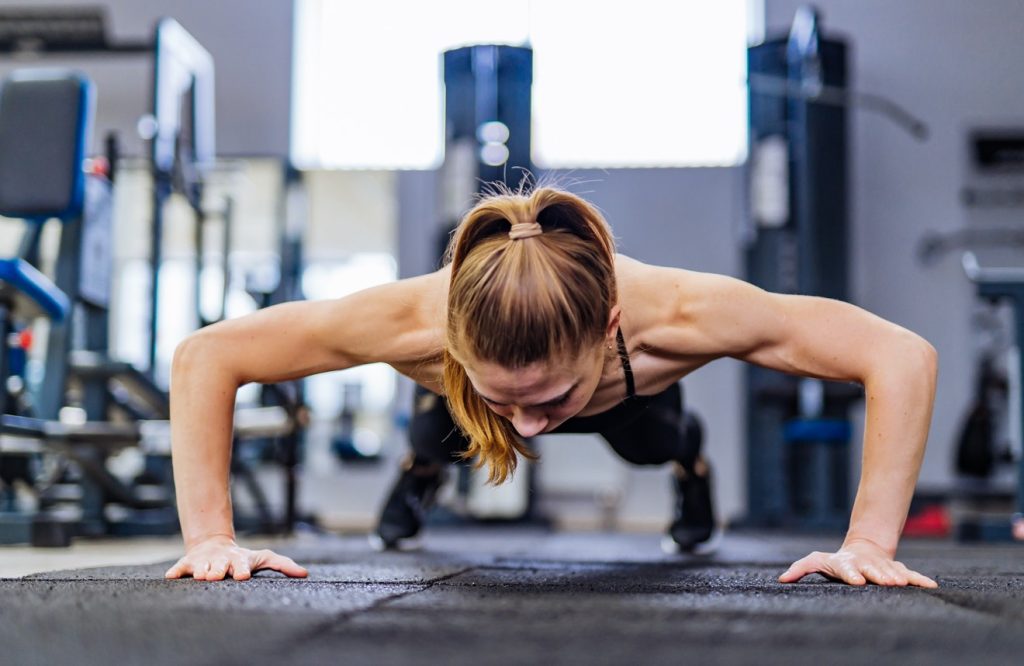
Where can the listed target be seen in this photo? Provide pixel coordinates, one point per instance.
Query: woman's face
(540, 397)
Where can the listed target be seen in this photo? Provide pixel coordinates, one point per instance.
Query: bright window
(644, 83)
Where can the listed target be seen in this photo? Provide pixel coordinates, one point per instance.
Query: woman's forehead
(499, 382)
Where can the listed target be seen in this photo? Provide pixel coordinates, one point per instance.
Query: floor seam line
(345, 616)
(426, 585)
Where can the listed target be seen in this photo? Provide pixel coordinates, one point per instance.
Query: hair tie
(525, 230)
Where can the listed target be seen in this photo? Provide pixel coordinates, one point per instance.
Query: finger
(267, 559)
(200, 570)
(217, 570)
(801, 568)
(914, 578)
(872, 574)
(877, 573)
(288, 567)
(792, 574)
(924, 581)
(240, 569)
(920, 580)
(896, 575)
(178, 570)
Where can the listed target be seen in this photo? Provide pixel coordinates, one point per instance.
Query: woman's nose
(527, 424)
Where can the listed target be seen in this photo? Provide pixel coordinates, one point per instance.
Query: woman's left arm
(829, 339)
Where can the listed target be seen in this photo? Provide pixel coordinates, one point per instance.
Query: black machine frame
(181, 134)
(181, 125)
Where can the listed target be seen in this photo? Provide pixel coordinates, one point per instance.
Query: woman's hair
(515, 302)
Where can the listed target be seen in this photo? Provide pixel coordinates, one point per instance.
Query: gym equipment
(989, 445)
(181, 130)
(78, 369)
(797, 429)
(26, 294)
(349, 443)
(488, 93)
(180, 126)
(45, 122)
(1001, 284)
(283, 449)
(978, 448)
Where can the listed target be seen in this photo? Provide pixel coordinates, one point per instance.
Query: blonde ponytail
(520, 299)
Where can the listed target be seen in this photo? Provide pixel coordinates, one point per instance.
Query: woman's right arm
(392, 323)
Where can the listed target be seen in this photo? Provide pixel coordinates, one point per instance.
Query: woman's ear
(613, 324)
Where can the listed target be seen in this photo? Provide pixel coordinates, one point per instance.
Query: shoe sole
(702, 549)
(402, 545)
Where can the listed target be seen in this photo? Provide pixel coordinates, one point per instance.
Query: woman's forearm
(900, 396)
(202, 411)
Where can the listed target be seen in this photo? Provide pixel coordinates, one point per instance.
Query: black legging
(661, 433)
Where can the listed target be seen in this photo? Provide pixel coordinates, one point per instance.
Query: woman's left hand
(858, 562)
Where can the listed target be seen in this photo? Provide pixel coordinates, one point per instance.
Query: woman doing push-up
(536, 325)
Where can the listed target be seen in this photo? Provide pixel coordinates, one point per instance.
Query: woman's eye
(560, 403)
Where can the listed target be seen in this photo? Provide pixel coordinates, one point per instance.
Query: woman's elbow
(196, 354)
(921, 357)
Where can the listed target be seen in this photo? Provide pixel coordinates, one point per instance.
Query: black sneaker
(406, 507)
(693, 528)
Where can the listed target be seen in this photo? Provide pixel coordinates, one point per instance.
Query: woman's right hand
(219, 556)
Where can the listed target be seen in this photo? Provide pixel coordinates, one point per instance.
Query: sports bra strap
(624, 356)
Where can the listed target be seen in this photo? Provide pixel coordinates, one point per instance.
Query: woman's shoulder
(660, 302)
(639, 281)
(649, 286)
(428, 293)
(634, 273)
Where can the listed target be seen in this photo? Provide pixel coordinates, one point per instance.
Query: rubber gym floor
(488, 596)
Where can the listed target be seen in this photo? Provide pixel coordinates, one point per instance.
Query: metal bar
(836, 96)
(123, 48)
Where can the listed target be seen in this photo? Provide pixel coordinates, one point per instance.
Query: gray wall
(251, 44)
